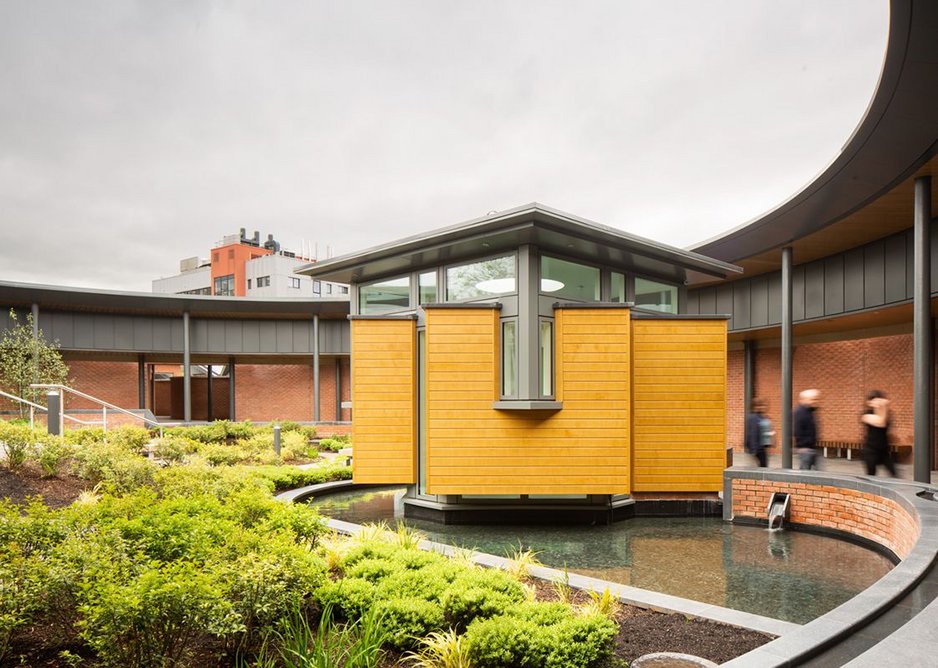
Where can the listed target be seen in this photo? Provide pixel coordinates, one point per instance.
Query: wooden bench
(896, 449)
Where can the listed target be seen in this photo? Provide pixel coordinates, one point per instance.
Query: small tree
(25, 359)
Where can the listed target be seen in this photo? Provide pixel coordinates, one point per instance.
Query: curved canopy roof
(51, 297)
(866, 192)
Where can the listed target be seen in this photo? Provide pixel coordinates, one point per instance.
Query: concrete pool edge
(859, 612)
(642, 598)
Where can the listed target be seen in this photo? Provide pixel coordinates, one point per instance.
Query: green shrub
(214, 432)
(408, 618)
(541, 636)
(16, 440)
(155, 618)
(128, 437)
(217, 454)
(114, 466)
(334, 443)
(266, 586)
(51, 453)
(351, 596)
(174, 449)
(84, 436)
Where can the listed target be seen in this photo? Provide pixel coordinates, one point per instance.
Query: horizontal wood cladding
(383, 396)
(679, 406)
(475, 449)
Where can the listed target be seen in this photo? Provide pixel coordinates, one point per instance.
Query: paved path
(832, 465)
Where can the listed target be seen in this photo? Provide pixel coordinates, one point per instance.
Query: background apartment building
(242, 266)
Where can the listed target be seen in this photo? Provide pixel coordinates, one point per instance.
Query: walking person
(875, 419)
(805, 429)
(759, 432)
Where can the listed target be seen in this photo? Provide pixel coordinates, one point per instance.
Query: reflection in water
(783, 574)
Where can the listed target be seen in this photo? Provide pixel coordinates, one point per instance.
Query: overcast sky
(134, 134)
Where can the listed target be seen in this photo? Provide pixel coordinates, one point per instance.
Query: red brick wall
(844, 371)
(114, 382)
(859, 513)
(735, 410)
(285, 391)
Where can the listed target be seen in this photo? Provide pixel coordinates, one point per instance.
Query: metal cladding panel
(251, 336)
(692, 302)
(84, 331)
(234, 339)
(741, 317)
(162, 331)
(895, 268)
(834, 285)
(284, 340)
(814, 290)
(268, 337)
(874, 283)
(123, 333)
(144, 333)
(334, 337)
(216, 336)
(198, 335)
(853, 279)
(708, 300)
(797, 293)
(759, 302)
(103, 326)
(178, 337)
(6, 322)
(56, 327)
(302, 336)
(775, 298)
(725, 301)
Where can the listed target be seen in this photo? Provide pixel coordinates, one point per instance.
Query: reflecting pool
(788, 575)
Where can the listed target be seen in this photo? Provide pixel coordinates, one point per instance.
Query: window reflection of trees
(481, 279)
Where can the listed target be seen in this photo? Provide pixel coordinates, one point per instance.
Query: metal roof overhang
(58, 298)
(549, 229)
(856, 198)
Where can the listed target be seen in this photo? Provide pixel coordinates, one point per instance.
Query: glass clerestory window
(481, 280)
(569, 280)
(546, 358)
(385, 296)
(427, 284)
(617, 293)
(509, 358)
(655, 296)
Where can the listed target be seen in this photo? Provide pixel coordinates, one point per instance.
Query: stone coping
(914, 637)
(641, 598)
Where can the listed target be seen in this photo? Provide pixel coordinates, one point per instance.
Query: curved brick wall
(862, 513)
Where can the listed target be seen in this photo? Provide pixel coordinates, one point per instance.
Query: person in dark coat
(875, 421)
(759, 432)
(805, 429)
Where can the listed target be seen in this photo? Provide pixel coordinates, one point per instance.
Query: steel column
(786, 358)
(209, 413)
(186, 371)
(231, 389)
(922, 334)
(141, 381)
(316, 416)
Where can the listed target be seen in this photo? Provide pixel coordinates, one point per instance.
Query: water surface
(788, 575)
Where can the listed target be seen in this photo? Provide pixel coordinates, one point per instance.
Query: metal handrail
(104, 405)
(34, 406)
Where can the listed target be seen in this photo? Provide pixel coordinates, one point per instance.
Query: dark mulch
(640, 631)
(27, 481)
(646, 631)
